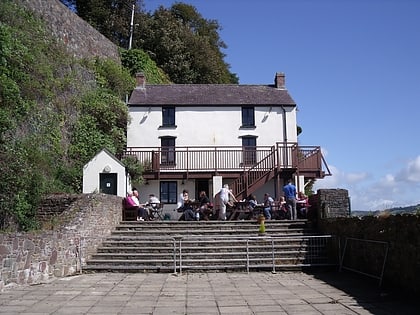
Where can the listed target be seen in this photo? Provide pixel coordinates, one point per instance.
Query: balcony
(202, 161)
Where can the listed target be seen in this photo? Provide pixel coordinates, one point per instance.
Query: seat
(156, 210)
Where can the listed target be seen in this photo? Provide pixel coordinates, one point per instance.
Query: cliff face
(80, 39)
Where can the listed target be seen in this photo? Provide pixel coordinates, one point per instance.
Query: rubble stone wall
(387, 243)
(73, 227)
(80, 39)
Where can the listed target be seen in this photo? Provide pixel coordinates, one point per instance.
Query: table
(242, 207)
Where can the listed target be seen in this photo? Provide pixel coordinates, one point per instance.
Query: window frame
(167, 147)
(168, 116)
(168, 192)
(248, 116)
(249, 150)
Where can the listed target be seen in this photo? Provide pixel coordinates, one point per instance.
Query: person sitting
(152, 205)
(186, 208)
(205, 208)
(133, 200)
(302, 204)
(268, 203)
(250, 207)
(283, 211)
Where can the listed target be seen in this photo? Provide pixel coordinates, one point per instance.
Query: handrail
(241, 185)
(227, 158)
(178, 240)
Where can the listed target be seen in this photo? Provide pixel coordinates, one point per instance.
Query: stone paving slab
(259, 293)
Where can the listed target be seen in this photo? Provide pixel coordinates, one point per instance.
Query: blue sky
(353, 68)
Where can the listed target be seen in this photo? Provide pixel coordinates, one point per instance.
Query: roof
(210, 95)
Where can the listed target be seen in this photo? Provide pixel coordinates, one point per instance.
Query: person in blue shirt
(289, 191)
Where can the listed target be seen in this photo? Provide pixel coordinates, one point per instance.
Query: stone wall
(400, 232)
(333, 203)
(73, 227)
(80, 39)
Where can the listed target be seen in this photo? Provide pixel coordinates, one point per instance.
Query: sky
(353, 69)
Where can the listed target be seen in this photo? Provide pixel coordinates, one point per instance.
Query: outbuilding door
(108, 183)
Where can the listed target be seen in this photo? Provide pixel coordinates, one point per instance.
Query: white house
(105, 174)
(201, 136)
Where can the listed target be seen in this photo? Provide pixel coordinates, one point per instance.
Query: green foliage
(183, 44)
(113, 77)
(136, 60)
(54, 115)
(111, 18)
(134, 168)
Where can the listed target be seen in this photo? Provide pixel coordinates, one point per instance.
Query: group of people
(292, 205)
(145, 210)
(192, 210)
(297, 203)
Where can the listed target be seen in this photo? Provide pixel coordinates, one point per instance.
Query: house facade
(201, 136)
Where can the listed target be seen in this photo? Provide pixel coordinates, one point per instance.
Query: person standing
(224, 195)
(289, 191)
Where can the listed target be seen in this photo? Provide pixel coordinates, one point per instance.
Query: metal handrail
(177, 242)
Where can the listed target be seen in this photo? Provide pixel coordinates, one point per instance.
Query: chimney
(279, 81)
(140, 80)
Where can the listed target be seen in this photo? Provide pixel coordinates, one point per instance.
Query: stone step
(186, 248)
(212, 246)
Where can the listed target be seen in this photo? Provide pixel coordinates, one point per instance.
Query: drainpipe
(285, 132)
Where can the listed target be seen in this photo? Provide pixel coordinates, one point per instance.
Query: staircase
(177, 246)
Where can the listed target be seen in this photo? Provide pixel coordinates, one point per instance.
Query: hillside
(57, 111)
(414, 210)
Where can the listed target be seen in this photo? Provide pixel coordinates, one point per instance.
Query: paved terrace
(206, 293)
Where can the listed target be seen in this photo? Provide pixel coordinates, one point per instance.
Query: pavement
(328, 292)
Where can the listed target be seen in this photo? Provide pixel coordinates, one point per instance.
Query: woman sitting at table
(251, 204)
(302, 204)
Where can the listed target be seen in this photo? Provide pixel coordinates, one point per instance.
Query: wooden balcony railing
(227, 158)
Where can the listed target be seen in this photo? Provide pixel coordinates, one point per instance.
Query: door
(108, 183)
(201, 185)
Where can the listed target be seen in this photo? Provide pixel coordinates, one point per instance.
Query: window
(168, 116)
(168, 150)
(249, 144)
(168, 192)
(248, 117)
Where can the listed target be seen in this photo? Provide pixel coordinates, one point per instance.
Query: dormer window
(168, 116)
(248, 117)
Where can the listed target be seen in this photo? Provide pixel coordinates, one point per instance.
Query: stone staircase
(177, 246)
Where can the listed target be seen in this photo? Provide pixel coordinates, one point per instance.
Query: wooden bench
(128, 214)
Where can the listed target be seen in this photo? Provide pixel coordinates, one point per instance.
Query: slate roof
(209, 95)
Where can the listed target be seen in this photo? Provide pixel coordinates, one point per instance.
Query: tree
(110, 17)
(184, 45)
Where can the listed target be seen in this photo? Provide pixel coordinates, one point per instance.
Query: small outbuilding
(105, 174)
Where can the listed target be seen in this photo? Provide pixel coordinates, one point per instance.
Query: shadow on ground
(368, 294)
